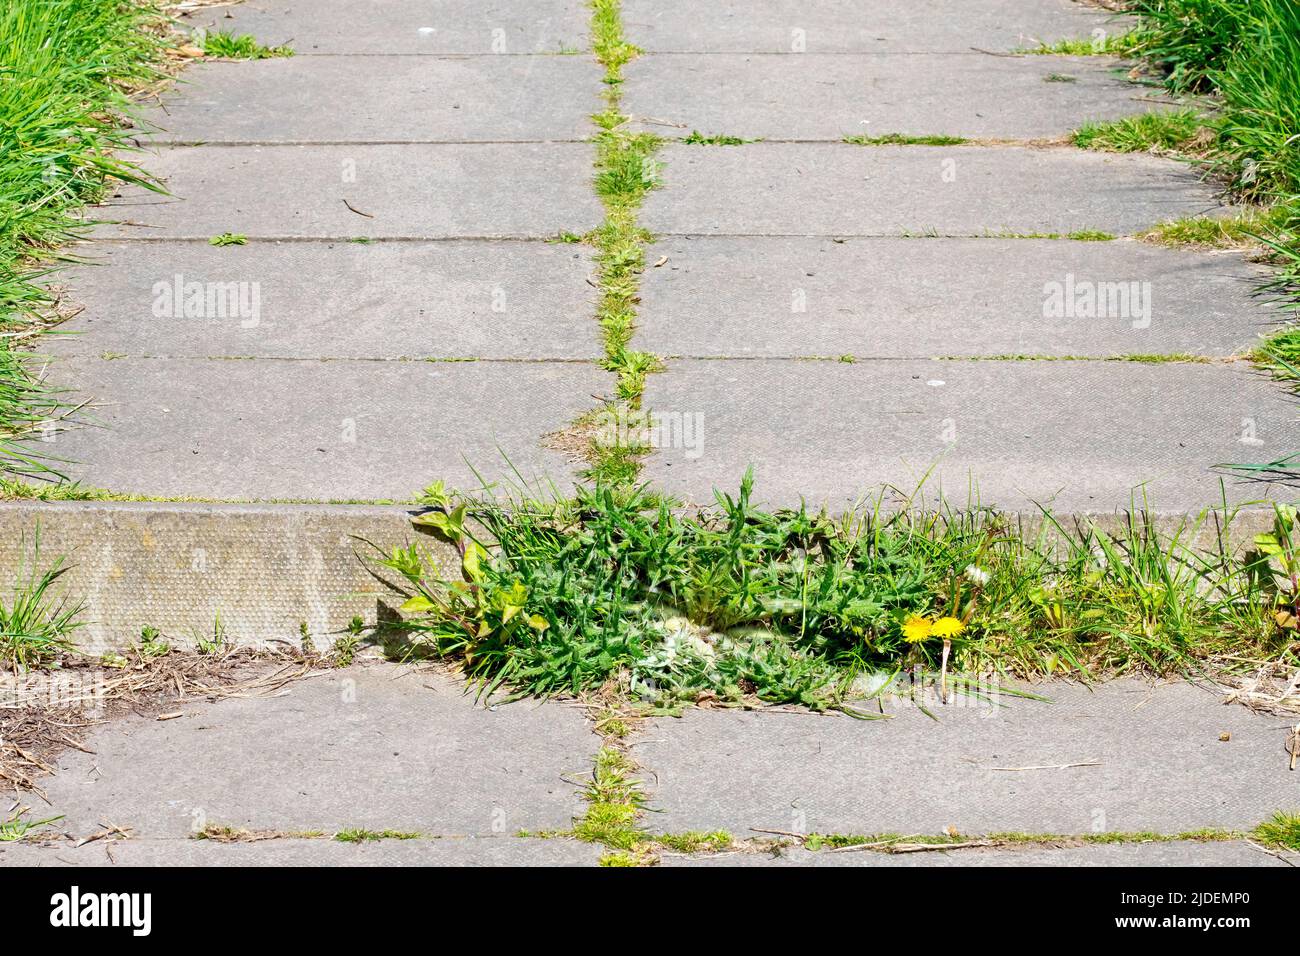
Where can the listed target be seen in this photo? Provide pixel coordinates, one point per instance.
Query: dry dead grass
(43, 714)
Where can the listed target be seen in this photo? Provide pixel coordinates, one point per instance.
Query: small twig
(356, 210)
(931, 847)
(1059, 766)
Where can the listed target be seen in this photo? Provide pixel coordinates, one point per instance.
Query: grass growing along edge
(68, 68)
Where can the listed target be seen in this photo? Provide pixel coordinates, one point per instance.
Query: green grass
(36, 624)
(228, 239)
(1246, 55)
(626, 170)
(66, 70)
(373, 836)
(228, 46)
(1090, 235)
(902, 139)
(1238, 231)
(696, 138)
(16, 827)
(1282, 832)
(883, 842)
(1177, 130)
(559, 596)
(1106, 44)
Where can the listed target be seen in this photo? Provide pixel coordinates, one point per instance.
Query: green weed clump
(228, 46)
(1283, 831)
(1183, 129)
(67, 68)
(903, 139)
(798, 607)
(36, 624)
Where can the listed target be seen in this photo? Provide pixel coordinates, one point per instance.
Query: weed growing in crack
(1185, 131)
(626, 171)
(902, 139)
(696, 138)
(1103, 44)
(227, 46)
(1241, 230)
(735, 603)
(373, 836)
(1282, 831)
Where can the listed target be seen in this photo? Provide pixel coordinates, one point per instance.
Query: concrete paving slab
(830, 96)
(1160, 766)
(454, 299)
(407, 191)
(923, 298)
(405, 26)
(315, 430)
(1076, 436)
(382, 99)
(848, 26)
(376, 746)
(823, 189)
(464, 851)
(1235, 854)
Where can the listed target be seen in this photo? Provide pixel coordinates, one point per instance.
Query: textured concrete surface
(1148, 854)
(426, 191)
(379, 747)
(849, 26)
(405, 26)
(455, 299)
(830, 96)
(317, 430)
(466, 851)
(824, 189)
(265, 570)
(383, 99)
(1072, 435)
(1161, 766)
(921, 298)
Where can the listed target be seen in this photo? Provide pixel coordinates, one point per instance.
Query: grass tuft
(227, 46)
(1183, 130)
(902, 139)
(1283, 831)
(1101, 44)
(1240, 230)
(36, 627)
(373, 836)
(696, 138)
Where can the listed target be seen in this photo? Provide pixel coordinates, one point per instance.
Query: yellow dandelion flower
(916, 629)
(947, 627)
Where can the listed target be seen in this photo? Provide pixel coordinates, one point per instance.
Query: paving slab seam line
(416, 359)
(162, 144)
(1151, 358)
(358, 240)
